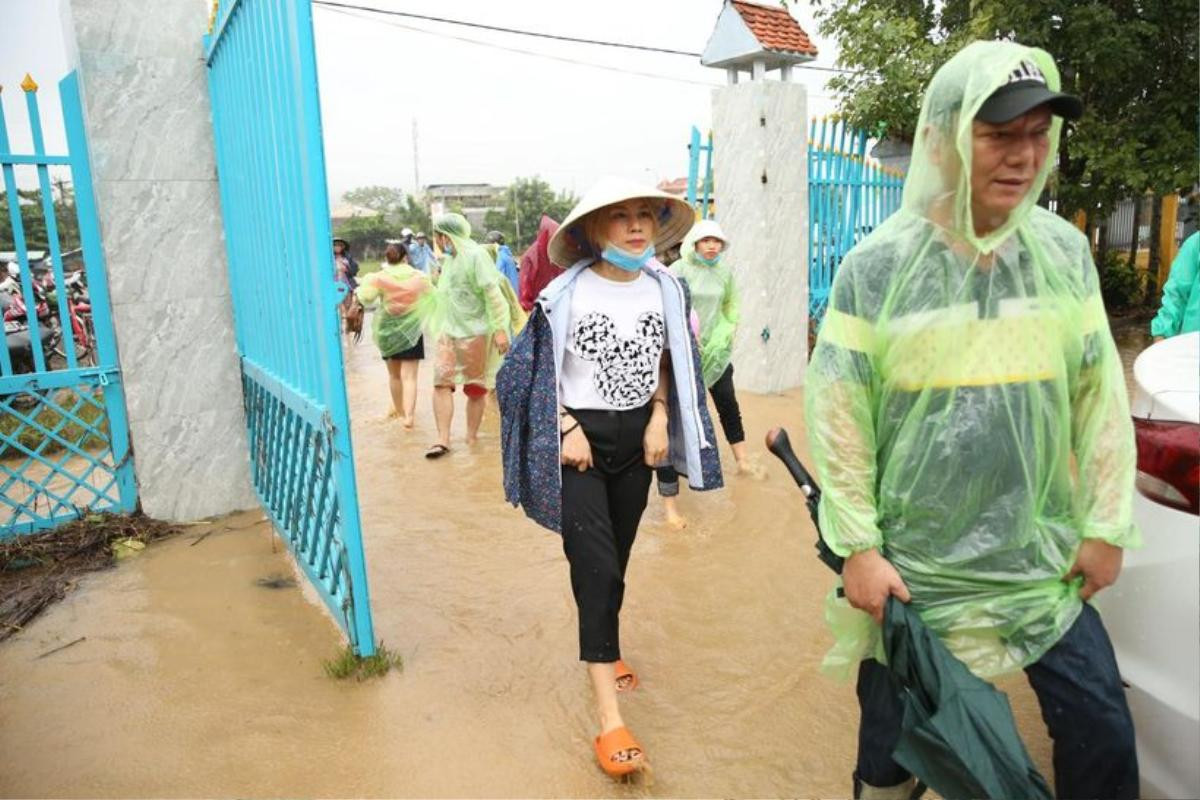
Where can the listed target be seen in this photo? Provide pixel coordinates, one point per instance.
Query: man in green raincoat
(470, 325)
(969, 424)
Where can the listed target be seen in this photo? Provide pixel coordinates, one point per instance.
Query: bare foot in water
(750, 469)
(675, 520)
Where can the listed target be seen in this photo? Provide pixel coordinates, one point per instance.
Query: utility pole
(516, 214)
(416, 160)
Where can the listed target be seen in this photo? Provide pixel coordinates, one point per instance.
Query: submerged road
(196, 681)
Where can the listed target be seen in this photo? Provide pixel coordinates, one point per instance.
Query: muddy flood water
(194, 680)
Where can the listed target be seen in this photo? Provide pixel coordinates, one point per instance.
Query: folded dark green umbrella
(958, 736)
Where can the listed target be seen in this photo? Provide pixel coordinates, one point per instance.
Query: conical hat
(569, 244)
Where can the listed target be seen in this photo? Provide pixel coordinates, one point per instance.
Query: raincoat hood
(938, 185)
(703, 228)
(457, 228)
(714, 300)
(537, 270)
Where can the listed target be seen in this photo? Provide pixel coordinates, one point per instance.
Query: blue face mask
(709, 262)
(630, 262)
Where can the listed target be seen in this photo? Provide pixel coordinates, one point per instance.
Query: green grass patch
(346, 665)
(64, 426)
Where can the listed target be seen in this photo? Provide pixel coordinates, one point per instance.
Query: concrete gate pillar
(145, 96)
(760, 177)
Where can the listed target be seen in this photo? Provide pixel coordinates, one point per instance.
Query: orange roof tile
(675, 186)
(775, 28)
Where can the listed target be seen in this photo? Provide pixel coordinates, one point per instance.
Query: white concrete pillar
(145, 96)
(731, 76)
(761, 179)
(758, 70)
(785, 73)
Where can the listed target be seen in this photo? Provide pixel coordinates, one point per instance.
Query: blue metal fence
(699, 194)
(64, 436)
(271, 167)
(849, 195)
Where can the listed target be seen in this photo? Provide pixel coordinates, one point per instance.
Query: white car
(1153, 611)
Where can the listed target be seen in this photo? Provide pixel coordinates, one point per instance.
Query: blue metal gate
(64, 436)
(848, 197)
(699, 193)
(262, 74)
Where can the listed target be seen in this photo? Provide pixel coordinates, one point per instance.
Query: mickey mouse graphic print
(615, 341)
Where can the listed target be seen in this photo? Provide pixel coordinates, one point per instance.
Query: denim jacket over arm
(527, 389)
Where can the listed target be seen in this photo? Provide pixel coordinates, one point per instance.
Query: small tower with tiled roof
(760, 188)
(756, 38)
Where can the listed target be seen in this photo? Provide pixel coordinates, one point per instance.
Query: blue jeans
(1083, 705)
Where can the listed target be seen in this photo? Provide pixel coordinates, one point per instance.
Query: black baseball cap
(1024, 91)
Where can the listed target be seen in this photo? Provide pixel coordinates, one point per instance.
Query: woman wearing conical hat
(603, 385)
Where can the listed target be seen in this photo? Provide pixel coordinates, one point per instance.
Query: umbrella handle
(781, 447)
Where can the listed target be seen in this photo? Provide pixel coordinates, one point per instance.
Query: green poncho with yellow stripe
(965, 403)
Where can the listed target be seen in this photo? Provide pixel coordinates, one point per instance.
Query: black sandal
(437, 451)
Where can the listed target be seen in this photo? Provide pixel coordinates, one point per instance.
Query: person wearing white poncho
(969, 424)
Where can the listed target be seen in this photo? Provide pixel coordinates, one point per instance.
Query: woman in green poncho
(401, 296)
(969, 424)
(472, 324)
(715, 302)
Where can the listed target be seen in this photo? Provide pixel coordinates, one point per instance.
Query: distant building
(475, 200)
(345, 211)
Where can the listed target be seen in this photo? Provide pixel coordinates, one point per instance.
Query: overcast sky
(484, 112)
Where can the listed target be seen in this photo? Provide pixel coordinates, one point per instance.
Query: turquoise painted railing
(64, 435)
(699, 194)
(848, 197)
(271, 166)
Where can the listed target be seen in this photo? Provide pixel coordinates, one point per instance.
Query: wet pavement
(195, 681)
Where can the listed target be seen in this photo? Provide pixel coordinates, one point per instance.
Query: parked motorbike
(18, 340)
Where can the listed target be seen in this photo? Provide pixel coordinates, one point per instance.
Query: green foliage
(66, 428)
(34, 219)
(386, 200)
(527, 200)
(347, 665)
(1122, 285)
(1134, 64)
(395, 212)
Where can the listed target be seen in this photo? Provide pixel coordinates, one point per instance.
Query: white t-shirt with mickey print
(615, 341)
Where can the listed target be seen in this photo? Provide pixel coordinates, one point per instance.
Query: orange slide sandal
(610, 746)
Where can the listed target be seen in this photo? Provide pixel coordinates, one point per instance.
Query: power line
(517, 31)
(332, 4)
(521, 51)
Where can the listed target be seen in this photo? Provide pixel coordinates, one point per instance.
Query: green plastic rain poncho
(404, 302)
(472, 299)
(714, 297)
(965, 404)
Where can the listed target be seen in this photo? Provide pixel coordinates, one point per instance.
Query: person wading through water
(602, 386)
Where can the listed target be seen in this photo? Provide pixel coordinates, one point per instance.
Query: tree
(395, 211)
(526, 200)
(33, 219)
(386, 200)
(1133, 62)
(367, 235)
